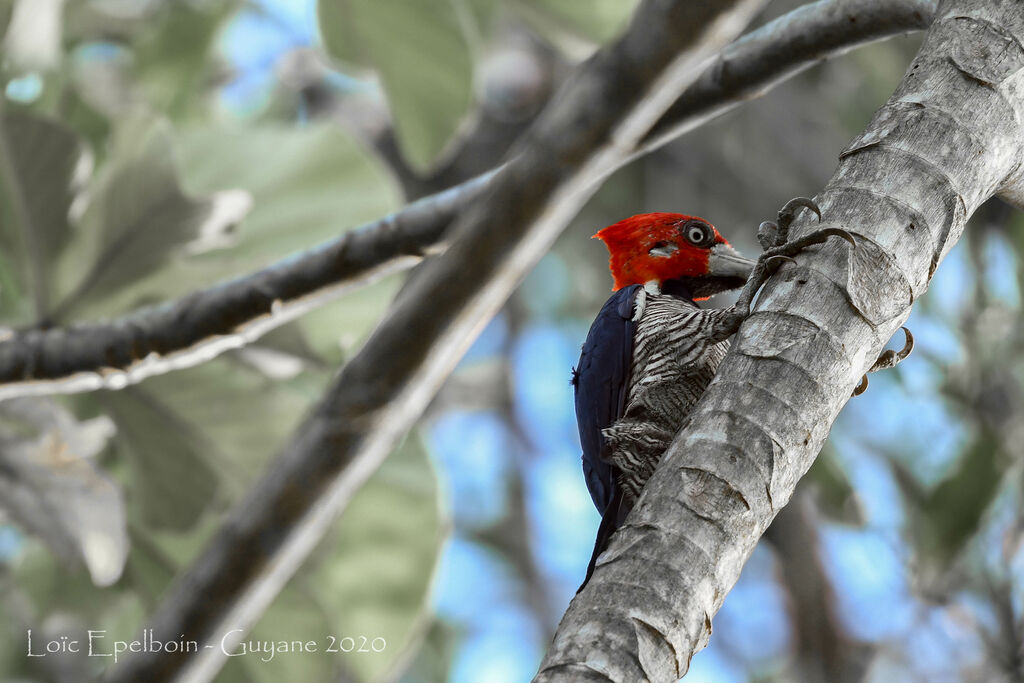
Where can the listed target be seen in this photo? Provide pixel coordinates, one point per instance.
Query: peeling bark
(948, 139)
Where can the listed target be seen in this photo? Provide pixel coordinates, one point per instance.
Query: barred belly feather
(674, 359)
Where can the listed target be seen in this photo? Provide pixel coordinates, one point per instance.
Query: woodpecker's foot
(774, 255)
(771, 234)
(774, 237)
(888, 359)
(796, 246)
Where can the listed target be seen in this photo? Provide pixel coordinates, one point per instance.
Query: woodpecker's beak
(727, 262)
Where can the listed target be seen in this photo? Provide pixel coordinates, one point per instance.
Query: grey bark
(601, 115)
(948, 139)
(191, 330)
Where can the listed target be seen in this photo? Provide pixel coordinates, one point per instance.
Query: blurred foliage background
(149, 148)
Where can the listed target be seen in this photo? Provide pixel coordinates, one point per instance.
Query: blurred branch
(948, 138)
(190, 330)
(824, 653)
(517, 82)
(781, 49)
(608, 104)
(511, 535)
(1005, 643)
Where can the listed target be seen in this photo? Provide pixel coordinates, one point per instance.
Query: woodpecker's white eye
(699, 234)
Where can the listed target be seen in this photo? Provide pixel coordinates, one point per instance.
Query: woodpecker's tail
(613, 517)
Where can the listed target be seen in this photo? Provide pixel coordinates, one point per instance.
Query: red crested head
(655, 247)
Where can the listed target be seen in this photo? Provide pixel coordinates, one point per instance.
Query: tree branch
(197, 327)
(781, 49)
(611, 101)
(191, 330)
(949, 138)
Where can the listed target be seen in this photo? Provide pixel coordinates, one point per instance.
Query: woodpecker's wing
(601, 381)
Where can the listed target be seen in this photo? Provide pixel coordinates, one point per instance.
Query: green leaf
(13, 661)
(371, 576)
(157, 557)
(242, 416)
(91, 84)
(172, 482)
(44, 154)
(187, 433)
(15, 307)
(46, 582)
(173, 62)
(40, 158)
(421, 54)
(138, 215)
(598, 21)
(53, 590)
(307, 184)
(436, 654)
(282, 353)
(479, 19)
(5, 14)
(946, 517)
(68, 605)
(85, 22)
(338, 329)
(295, 615)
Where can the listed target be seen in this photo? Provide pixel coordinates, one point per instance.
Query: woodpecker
(652, 350)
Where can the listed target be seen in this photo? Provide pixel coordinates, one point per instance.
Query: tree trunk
(948, 139)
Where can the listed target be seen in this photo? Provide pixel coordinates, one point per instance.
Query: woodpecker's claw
(787, 214)
(839, 232)
(778, 257)
(816, 237)
(774, 239)
(888, 359)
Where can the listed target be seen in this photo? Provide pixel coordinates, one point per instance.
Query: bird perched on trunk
(652, 350)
